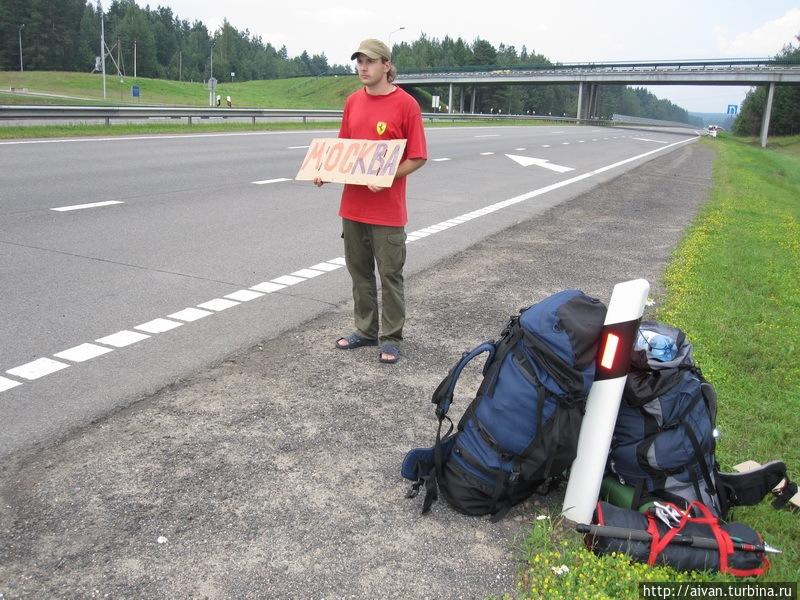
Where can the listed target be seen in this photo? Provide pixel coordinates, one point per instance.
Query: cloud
(766, 40)
(337, 15)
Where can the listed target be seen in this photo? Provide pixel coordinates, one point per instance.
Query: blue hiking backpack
(521, 430)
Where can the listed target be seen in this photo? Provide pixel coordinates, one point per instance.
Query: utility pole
(134, 59)
(19, 30)
(103, 45)
(180, 64)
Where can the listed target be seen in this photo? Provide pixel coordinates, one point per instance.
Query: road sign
(434, 101)
(212, 84)
(732, 109)
(135, 91)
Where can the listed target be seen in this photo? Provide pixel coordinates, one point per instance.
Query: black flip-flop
(391, 350)
(355, 341)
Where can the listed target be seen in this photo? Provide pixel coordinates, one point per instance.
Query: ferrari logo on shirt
(380, 127)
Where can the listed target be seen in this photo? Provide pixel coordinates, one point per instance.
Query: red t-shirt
(397, 116)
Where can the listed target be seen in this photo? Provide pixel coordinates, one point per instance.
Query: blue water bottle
(662, 348)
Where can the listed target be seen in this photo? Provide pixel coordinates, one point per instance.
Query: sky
(564, 31)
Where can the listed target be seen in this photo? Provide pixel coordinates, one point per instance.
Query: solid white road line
(158, 326)
(266, 181)
(90, 205)
(649, 140)
(298, 147)
(7, 384)
(486, 153)
(440, 159)
(122, 338)
(37, 368)
(190, 314)
(218, 304)
(83, 352)
(488, 135)
(339, 260)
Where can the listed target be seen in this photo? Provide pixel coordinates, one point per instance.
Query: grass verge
(159, 127)
(733, 285)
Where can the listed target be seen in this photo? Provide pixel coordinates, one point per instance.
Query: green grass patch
(119, 129)
(87, 88)
(733, 285)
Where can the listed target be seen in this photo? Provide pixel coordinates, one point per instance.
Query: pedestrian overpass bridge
(588, 76)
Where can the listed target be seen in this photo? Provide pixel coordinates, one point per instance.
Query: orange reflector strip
(610, 351)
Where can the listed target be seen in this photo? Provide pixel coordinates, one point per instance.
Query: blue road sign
(135, 92)
(733, 109)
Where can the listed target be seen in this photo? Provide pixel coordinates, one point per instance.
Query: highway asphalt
(275, 472)
(197, 218)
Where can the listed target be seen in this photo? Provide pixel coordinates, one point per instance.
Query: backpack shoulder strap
(443, 394)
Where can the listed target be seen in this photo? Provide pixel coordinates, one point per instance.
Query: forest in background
(64, 35)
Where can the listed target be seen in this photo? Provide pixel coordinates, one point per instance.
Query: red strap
(725, 543)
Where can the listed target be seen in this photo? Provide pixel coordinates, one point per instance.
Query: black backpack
(664, 439)
(521, 430)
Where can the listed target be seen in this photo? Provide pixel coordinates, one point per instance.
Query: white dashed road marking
(7, 384)
(298, 147)
(325, 266)
(307, 273)
(488, 135)
(244, 296)
(122, 338)
(46, 366)
(486, 153)
(267, 287)
(90, 205)
(440, 159)
(288, 280)
(83, 352)
(158, 326)
(37, 368)
(266, 181)
(218, 304)
(190, 314)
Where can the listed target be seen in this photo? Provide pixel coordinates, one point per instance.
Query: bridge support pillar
(767, 113)
(461, 92)
(472, 99)
(450, 100)
(580, 101)
(595, 102)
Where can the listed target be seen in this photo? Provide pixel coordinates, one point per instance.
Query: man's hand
(318, 182)
(376, 188)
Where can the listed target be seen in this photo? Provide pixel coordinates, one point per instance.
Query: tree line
(785, 116)
(63, 35)
(432, 53)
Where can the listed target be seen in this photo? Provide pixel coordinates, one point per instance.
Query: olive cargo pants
(365, 246)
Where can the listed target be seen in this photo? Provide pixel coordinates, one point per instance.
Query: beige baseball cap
(373, 49)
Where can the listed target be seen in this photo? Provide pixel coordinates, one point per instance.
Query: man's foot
(389, 354)
(354, 340)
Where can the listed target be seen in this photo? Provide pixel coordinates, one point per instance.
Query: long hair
(392, 74)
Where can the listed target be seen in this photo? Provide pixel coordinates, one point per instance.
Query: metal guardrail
(108, 113)
(78, 113)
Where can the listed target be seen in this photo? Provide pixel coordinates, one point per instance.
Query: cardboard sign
(359, 162)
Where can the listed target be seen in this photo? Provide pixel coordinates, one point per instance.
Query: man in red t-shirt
(374, 218)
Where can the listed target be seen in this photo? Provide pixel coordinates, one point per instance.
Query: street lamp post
(390, 37)
(19, 31)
